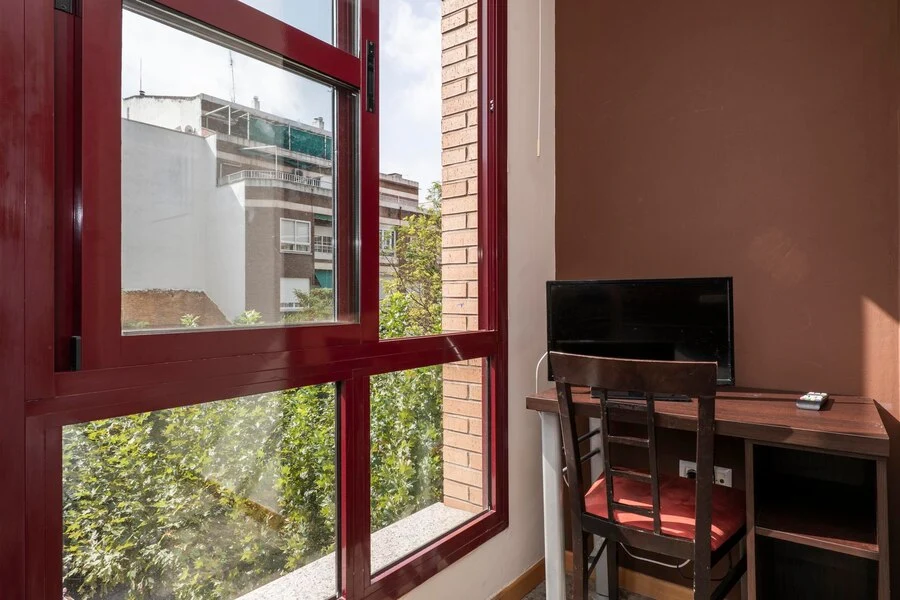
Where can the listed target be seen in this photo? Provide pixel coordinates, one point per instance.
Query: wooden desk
(770, 423)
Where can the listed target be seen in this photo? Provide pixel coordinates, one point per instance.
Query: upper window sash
(251, 34)
(338, 63)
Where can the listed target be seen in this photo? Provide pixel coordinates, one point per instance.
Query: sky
(164, 61)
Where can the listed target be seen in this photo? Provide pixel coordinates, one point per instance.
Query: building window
(290, 288)
(388, 241)
(324, 244)
(295, 235)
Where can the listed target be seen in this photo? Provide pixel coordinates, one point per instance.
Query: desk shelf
(815, 524)
(820, 514)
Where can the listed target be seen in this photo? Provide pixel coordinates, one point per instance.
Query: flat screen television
(651, 319)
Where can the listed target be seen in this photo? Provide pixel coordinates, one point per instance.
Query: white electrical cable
(655, 562)
(537, 373)
(540, 77)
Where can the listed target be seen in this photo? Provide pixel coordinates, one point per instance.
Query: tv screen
(662, 319)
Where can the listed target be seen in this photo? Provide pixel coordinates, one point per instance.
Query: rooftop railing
(277, 175)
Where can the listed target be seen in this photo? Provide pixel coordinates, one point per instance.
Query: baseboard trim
(632, 581)
(524, 583)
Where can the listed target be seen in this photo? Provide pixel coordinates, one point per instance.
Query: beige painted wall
(491, 567)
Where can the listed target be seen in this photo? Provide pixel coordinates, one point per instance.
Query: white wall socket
(722, 475)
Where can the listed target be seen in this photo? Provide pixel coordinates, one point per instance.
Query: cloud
(175, 63)
(410, 89)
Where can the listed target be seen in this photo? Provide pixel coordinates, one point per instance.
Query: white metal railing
(278, 175)
(290, 306)
(324, 245)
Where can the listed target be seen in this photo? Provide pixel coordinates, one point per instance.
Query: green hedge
(211, 501)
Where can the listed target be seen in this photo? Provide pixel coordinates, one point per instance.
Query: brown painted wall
(751, 139)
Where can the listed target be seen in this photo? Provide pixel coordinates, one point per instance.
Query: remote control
(812, 401)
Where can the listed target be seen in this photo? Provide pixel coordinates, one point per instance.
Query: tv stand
(617, 395)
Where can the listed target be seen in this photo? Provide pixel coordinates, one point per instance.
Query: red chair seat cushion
(676, 506)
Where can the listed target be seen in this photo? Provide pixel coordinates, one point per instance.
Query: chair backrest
(647, 378)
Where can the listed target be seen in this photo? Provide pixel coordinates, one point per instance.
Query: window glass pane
(230, 499)
(428, 467)
(429, 153)
(315, 17)
(228, 170)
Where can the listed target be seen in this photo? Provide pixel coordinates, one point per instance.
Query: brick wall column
(463, 426)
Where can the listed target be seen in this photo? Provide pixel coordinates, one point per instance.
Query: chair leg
(579, 567)
(612, 568)
(702, 578)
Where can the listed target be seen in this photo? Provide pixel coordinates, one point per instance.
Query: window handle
(370, 77)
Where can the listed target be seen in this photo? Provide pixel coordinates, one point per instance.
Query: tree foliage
(211, 501)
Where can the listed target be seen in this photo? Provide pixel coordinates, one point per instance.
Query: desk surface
(848, 424)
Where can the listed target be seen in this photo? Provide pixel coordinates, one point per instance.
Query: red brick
(454, 156)
(454, 423)
(460, 306)
(463, 441)
(463, 407)
(457, 457)
(454, 88)
(455, 389)
(453, 55)
(461, 238)
(451, 6)
(460, 137)
(463, 373)
(462, 103)
(461, 505)
(458, 205)
(476, 461)
(460, 272)
(456, 490)
(460, 70)
(454, 256)
(451, 222)
(454, 189)
(463, 475)
(454, 20)
(453, 323)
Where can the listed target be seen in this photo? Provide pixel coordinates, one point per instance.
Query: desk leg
(750, 550)
(554, 538)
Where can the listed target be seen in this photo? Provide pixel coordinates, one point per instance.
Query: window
(238, 502)
(294, 235)
(292, 290)
(324, 244)
(388, 242)
(205, 401)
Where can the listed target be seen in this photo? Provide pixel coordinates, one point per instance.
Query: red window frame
(48, 289)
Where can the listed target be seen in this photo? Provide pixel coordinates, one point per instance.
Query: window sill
(316, 580)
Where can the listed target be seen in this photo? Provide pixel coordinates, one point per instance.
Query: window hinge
(491, 105)
(370, 77)
(76, 352)
(67, 6)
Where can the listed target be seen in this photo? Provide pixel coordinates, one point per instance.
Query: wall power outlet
(688, 468)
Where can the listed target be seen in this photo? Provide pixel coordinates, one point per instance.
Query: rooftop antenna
(231, 65)
(141, 78)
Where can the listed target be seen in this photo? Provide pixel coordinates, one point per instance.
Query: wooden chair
(672, 516)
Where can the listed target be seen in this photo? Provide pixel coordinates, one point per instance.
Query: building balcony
(287, 177)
